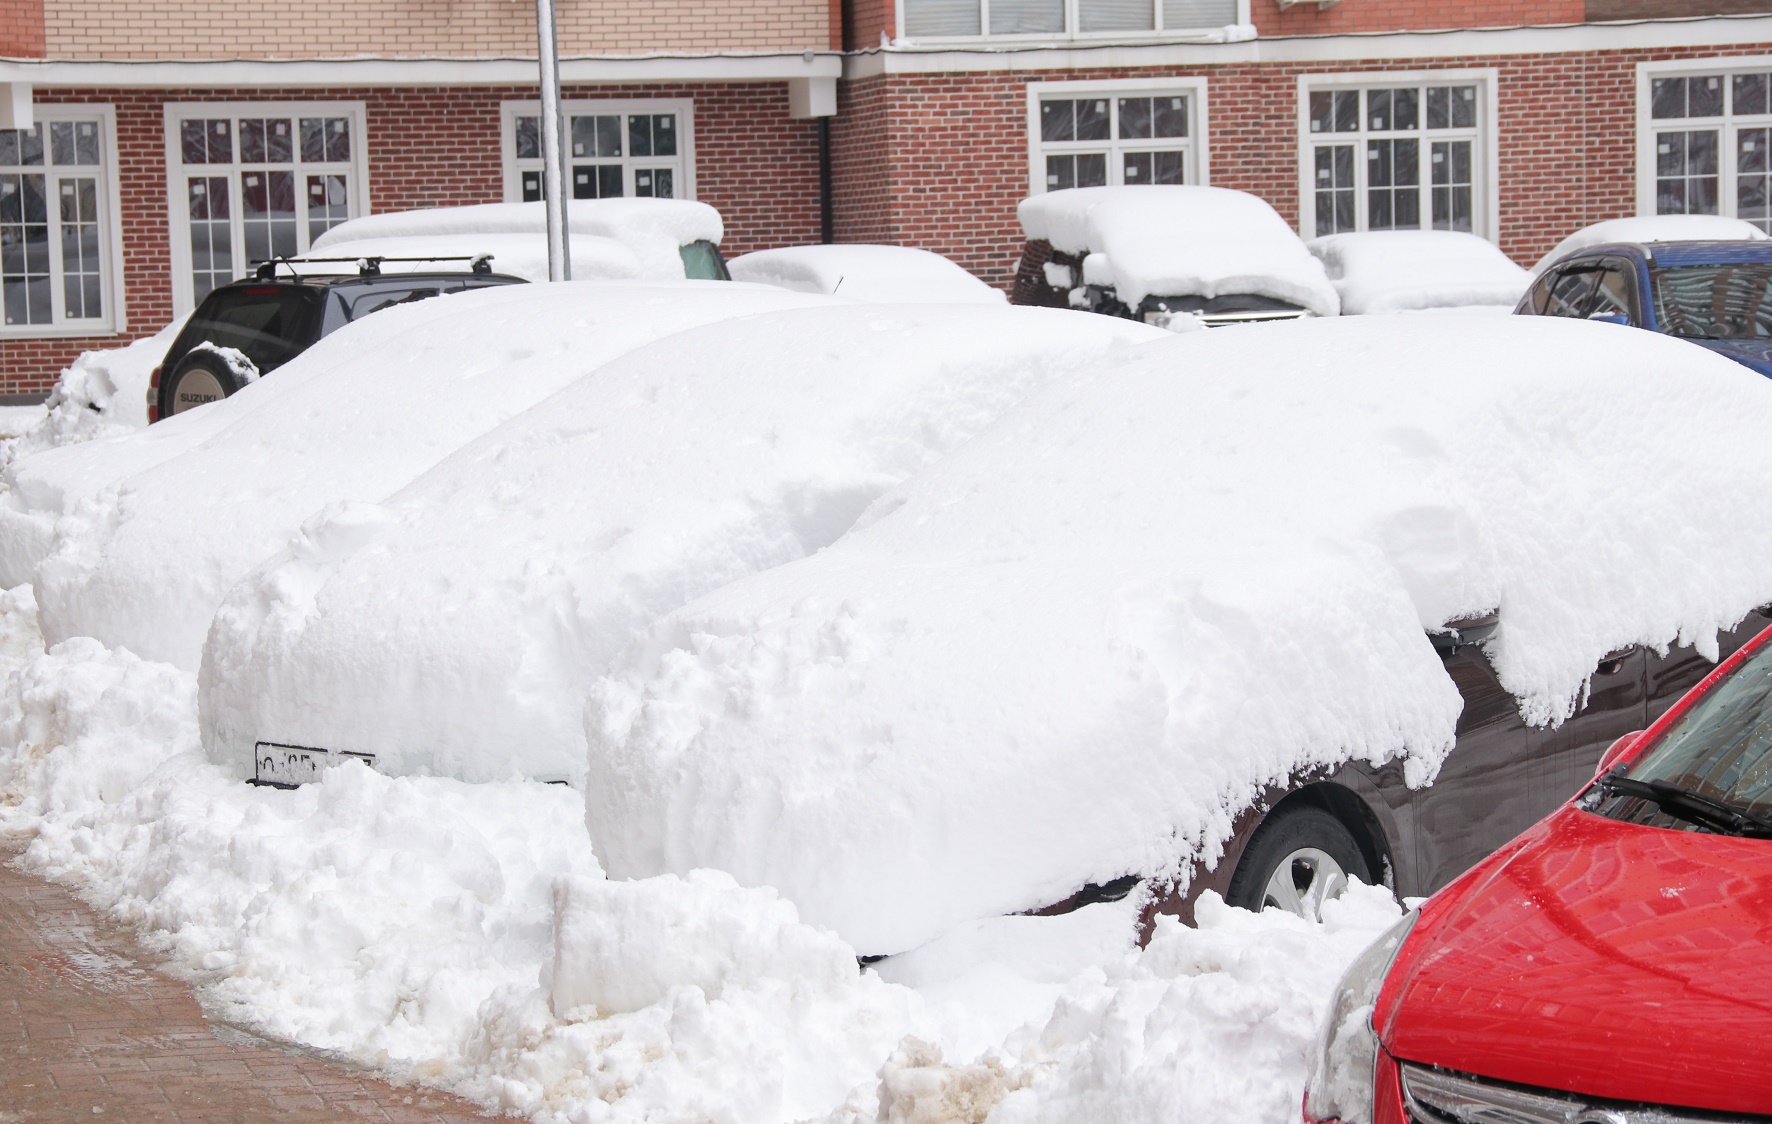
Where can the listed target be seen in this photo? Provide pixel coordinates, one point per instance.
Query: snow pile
(594, 258)
(430, 929)
(100, 394)
(1076, 647)
(653, 228)
(879, 274)
(1409, 270)
(1654, 228)
(1168, 241)
(513, 571)
(144, 565)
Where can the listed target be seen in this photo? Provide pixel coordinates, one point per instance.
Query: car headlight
(1345, 1058)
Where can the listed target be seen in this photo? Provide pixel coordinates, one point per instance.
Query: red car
(1613, 965)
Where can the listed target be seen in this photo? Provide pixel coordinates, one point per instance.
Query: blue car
(1716, 294)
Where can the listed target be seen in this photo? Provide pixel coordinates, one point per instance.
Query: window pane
(1135, 118)
(1181, 14)
(529, 138)
(252, 141)
(1378, 110)
(86, 142)
(1753, 179)
(1169, 167)
(1061, 172)
(1116, 15)
(24, 249)
(1092, 119)
(1667, 97)
(328, 202)
(192, 147)
(656, 183)
(1749, 94)
(61, 142)
(1026, 17)
(1092, 169)
(279, 141)
(313, 140)
(1347, 111)
(639, 135)
(608, 136)
(1137, 167)
(532, 187)
(212, 258)
(1464, 107)
(664, 134)
(1403, 109)
(1322, 119)
(221, 141)
(79, 239)
(1169, 116)
(1439, 108)
(338, 139)
(1704, 96)
(1058, 120)
(938, 18)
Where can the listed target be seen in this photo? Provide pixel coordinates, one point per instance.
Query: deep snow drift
(1410, 270)
(1174, 241)
(462, 935)
(879, 274)
(453, 629)
(99, 394)
(144, 564)
(1077, 646)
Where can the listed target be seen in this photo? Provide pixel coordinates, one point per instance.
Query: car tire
(200, 378)
(1297, 859)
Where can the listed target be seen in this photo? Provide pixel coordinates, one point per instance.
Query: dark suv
(1716, 294)
(250, 328)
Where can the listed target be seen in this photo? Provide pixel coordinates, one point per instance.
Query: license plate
(286, 766)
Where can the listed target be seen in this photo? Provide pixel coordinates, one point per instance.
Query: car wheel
(200, 378)
(1296, 861)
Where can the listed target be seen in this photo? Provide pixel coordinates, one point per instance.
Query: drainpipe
(826, 212)
(552, 181)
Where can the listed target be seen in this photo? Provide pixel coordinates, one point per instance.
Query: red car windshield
(1720, 750)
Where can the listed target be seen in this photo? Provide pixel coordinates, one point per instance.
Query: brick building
(173, 141)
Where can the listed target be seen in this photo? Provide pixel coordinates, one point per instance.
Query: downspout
(826, 207)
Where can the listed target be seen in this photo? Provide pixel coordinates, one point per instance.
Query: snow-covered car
(1654, 228)
(453, 628)
(1717, 295)
(880, 274)
(1153, 252)
(141, 536)
(1410, 270)
(1188, 600)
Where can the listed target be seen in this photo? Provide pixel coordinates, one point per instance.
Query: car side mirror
(1622, 318)
(1616, 751)
(1456, 634)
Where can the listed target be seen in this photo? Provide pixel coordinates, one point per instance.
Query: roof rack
(368, 266)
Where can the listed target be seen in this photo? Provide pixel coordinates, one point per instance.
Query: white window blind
(1199, 13)
(1116, 15)
(940, 19)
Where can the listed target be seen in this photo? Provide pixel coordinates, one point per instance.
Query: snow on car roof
(884, 274)
(1409, 270)
(1180, 240)
(1653, 228)
(652, 228)
(525, 560)
(144, 563)
(594, 257)
(1078, 646)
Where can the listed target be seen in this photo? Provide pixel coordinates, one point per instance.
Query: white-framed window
(945, 20)
(633, 147)
(1703, 133)
(250, 181)
(60, 247)
(1124, 131)
(1400, 151)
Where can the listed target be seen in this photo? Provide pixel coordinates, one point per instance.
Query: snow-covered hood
(1180, 241)
(884, 274)
(1409, 270)
(1078, 646)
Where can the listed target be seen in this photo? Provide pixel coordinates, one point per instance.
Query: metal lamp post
(552, 182)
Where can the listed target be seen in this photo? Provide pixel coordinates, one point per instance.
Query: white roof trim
(1709, 31)
(492, 71)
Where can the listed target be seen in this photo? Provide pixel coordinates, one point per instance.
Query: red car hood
(1602, 958)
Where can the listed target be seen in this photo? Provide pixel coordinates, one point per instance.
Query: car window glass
(365, 303)
(702, 262)
(268, 324)
(1538, 297)
(1722, 302)
(1570, 292)
(1614, 293)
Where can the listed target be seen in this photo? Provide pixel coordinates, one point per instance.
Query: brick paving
(87, 1034)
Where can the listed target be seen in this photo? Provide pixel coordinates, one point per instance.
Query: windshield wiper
(1685, 804)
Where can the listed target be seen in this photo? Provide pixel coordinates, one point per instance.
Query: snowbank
(430, 929)
(1410, 270)
(594, 258)
(1175, 241)
(653, 228)
(880, 274)
(1075, 648)
(144, 564)
(101, 393)
(454, 628)
(1654, 228)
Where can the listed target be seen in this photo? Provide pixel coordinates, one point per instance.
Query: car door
(1615, 704)
(1490, 784)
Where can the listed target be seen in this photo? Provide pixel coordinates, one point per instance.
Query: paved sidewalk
(87, 1034)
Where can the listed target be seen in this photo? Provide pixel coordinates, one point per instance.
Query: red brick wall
(438, 147)
(954, 148)
(1408, 15)
(21, 28)
(864, 20)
